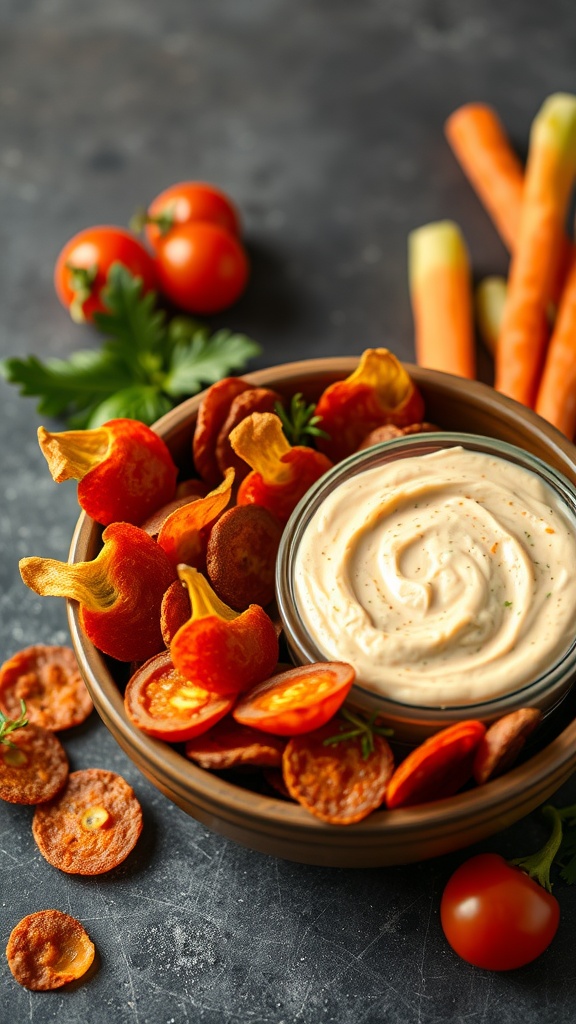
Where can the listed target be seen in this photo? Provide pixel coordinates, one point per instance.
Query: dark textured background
(324, 121)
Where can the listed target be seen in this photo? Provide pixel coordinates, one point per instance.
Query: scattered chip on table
(48, 949)
(33, 766)
(91, 826)
(47, 677)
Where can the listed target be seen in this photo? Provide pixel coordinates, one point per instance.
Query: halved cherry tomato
(438, 768)
(189, 201)
(296, 701)
(495, 916)
(201, 267)
(162, 703)
(82, 267)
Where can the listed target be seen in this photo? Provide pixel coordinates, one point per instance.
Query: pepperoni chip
(229, 744)
(48, 679)
(212, 413)
(33, 767)
(91, 826)
(438, 767)
(241, 556)
(502, 743)
(336, 782)
(48, 949)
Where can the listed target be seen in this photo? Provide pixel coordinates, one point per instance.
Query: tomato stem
(163, 221)
(82, 284)
(537, 865)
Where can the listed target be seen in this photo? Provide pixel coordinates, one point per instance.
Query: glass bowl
(312, 634)
(263, 821)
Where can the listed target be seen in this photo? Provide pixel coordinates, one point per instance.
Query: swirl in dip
(444, 579)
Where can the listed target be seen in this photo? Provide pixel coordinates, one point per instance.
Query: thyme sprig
(363, 729)
(9, 725)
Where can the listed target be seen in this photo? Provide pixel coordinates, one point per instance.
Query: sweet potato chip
(241, 556)
(228, 745)
(337, 782)
(502, 743)
(91, 826)
(48, 949)
(153, 524)
(211, 415)
(48, 679)
(184, 533)
(175, 611)
(438, 767)
(33, 767)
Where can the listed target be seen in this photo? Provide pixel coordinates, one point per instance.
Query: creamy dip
(444, 579)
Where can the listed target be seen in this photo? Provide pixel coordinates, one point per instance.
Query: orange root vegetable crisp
(91, 826)
(48, 949)
(33, 766)
(48, 679)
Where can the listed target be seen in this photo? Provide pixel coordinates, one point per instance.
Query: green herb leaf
(8, 725)
(299, 421)
(144, 367)
(201, 359)
(133, 321)
(363, 730)
(67, 387)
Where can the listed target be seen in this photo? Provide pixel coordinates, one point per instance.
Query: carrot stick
(489, 300)
(556, 399)
(550, 173)
(441, 295)
(481, 146)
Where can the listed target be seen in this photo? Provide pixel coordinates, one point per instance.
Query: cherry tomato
(160, 702)
(297, 701)
(201, 267)
(83, 264)
(495, 916)
(190, 201)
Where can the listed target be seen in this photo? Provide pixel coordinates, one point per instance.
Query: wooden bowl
(284, 829)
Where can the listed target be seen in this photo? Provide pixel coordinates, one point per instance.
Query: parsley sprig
(8, 725)
(363, 729)
(146, 365)
(299, 421)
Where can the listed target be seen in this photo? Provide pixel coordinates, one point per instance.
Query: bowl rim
(526, 785)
